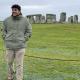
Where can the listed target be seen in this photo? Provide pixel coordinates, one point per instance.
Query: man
(16, 31)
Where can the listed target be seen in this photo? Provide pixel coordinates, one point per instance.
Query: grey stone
(31, 18)
(70, 19)
(38, 18)
(75, 18)
(63, 17)
(43, 20)
(50, 18)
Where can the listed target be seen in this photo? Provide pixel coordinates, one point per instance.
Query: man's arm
(4, 30)
(28, 30)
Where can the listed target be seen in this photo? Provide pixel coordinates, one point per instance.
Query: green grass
(54, 41)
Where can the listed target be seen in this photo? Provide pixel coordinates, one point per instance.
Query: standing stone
(38, 18)
(75, 18)
(43, 19)
(70, 19)
(63, 17)
(54, 18)
(50, 18)
(31, 18)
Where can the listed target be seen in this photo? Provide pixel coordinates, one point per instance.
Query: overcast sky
(71, 7)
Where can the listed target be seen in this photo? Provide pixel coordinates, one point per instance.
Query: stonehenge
(51, 18)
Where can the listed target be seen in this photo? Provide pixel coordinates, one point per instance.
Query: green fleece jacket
(16, 31)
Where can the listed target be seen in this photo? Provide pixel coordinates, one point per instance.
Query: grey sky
(71, 7)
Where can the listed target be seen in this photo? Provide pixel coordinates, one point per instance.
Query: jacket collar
(16, 17)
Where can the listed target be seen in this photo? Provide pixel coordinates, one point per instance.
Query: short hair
(16, 6)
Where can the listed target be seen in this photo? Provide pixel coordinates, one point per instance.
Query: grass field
(53, 53)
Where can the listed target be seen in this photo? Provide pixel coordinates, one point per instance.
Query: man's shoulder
(25, 18)
(6, 19)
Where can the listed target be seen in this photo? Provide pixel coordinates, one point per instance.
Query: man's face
(15, 12)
